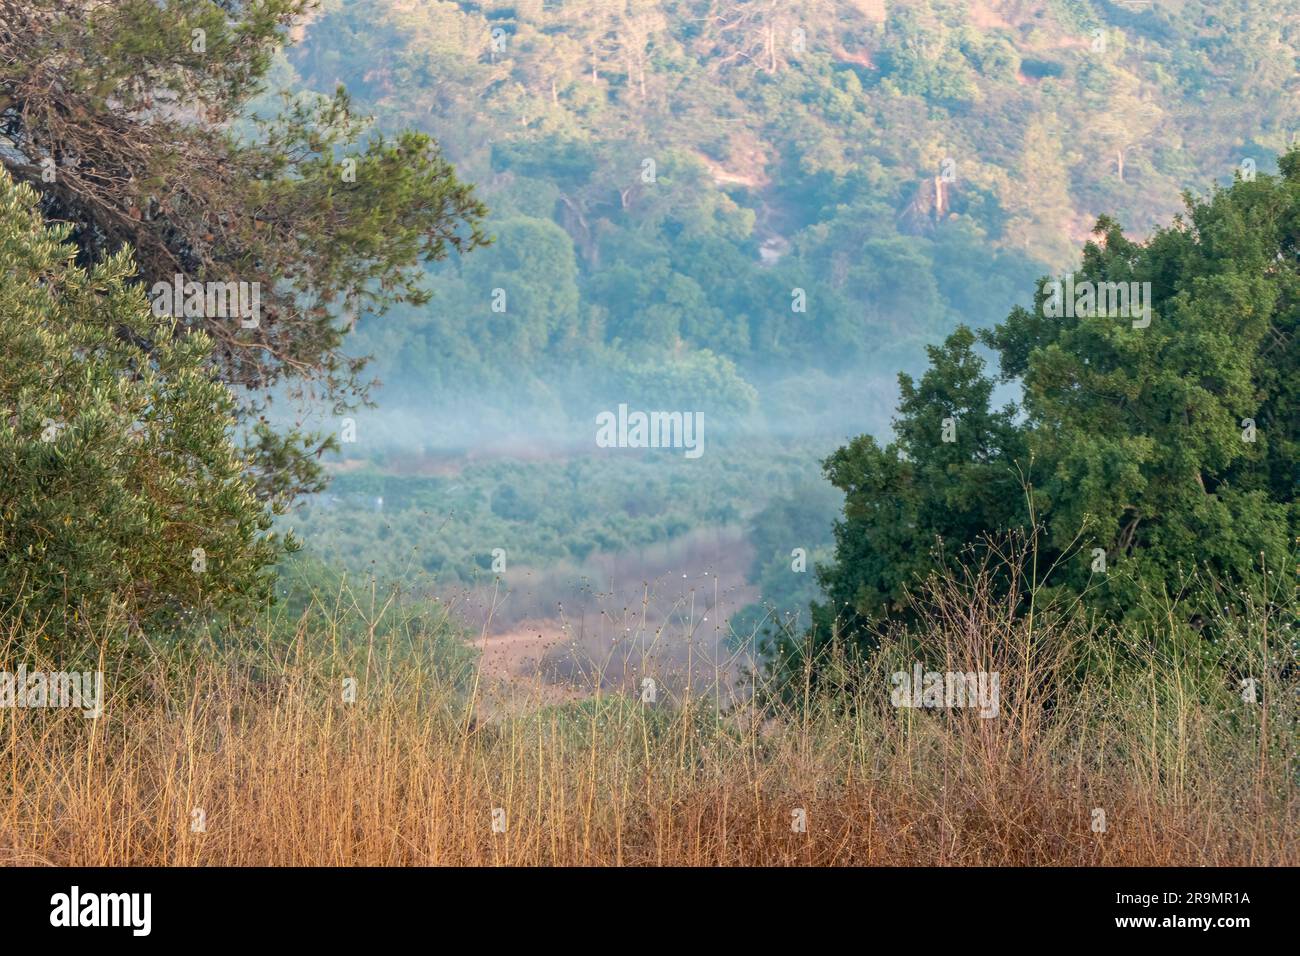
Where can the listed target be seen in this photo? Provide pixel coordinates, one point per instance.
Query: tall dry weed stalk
(254, 741)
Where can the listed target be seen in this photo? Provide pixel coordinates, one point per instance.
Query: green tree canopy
(123, 493)
(1160, 461)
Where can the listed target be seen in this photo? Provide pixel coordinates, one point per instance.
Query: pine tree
(132, 120)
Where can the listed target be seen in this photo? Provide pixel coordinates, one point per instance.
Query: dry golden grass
(287, 773)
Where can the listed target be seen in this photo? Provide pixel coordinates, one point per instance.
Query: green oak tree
(1158, 462)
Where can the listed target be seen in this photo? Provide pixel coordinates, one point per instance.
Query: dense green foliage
(1161, 462)
(795, 145)
(123, 497)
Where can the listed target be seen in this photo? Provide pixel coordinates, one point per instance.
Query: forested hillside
(664, 176)
(759, 210)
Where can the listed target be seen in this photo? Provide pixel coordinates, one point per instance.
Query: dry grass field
(249, 754)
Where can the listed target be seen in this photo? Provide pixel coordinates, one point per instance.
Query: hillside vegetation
(662, 175)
